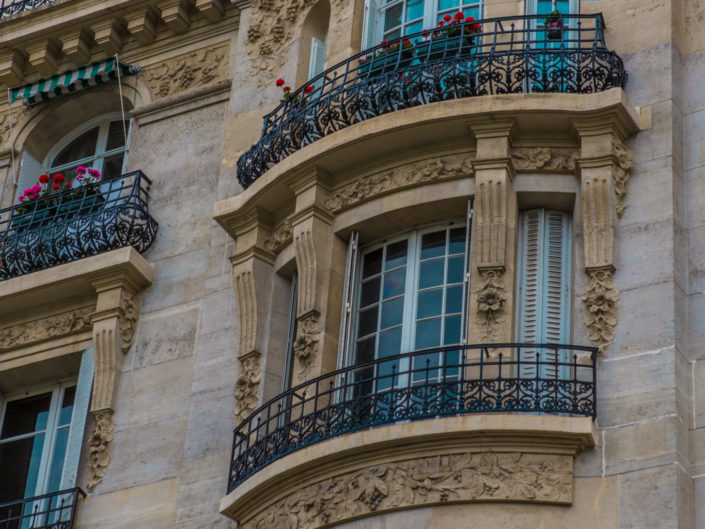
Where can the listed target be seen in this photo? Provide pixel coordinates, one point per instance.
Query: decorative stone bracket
(491, 298)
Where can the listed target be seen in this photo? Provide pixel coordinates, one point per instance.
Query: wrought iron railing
(507, 55)
(439, 382)
(50, 511)
(74, 224)
(12, 7)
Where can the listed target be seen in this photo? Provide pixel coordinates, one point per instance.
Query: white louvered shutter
(317, 61)
(30, 169)
(530, 270)
(370, 23)
(466, 275)
(349, 289)
(78, 421)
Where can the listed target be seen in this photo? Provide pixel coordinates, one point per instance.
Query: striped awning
(72, 80)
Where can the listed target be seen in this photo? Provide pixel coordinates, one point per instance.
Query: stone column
(320, 261)
(494, 234)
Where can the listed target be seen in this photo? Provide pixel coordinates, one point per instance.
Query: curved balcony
(442, 382)
(504, 55)
(70, 225)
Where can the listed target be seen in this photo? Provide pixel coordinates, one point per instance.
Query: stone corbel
(175, 14)
(76, 46)
(212, 10)
(11, 68)
(142, 24)
(108, 35)
(44, 56)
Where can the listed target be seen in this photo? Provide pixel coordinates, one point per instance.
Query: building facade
(453, 279)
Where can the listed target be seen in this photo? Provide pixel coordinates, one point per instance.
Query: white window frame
(373, 24)
(96, 160)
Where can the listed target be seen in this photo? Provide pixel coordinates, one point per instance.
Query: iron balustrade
(12, 7)
(439, 382)
(508, 55)
(77, 223)
(50, 511)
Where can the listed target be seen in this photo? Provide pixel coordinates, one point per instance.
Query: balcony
(429, 384)
(507, 55)
(18, 6)
(50, 511)
(70, 225)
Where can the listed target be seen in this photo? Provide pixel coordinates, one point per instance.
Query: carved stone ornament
(4, 127)
(622, 172)
(274, 24)
(424, 481)
(306, 343)
(247, 386)
(544, 159)
(36, 331)
(99, 445)
(127, 320)
(280, 237)
(491, 297)
(600, 301)
(198, 68)
(399, 177)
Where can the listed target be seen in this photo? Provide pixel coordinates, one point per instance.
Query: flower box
(437, 49)
(386, 63)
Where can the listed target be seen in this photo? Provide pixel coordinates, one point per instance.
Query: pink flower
(94, 173)
(80, 169)
(21, 198)
(36, 188)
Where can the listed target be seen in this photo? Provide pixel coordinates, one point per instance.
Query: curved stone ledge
(503, 457)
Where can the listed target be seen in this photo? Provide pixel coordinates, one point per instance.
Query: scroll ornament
(307, 342)
(600, 301)
(127, 320)
(491, 298)
(622, 172)
(99, 445)
(424, 481)
(247, 386)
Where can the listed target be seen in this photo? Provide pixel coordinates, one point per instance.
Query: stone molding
(188, 71)
(600, 302)
(54, 326)
(367, 187)
(99, 447)
(451, 478)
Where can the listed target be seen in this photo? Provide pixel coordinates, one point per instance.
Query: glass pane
(372, 263)
(392, 17)
(112, 166)
(116, 135)
(457, 241)
(428, 333)
(454, 299)
(433, 244)
(416, 27)
(392, 313)
(26, 415)
(370, 292)
(57, 460)
(429, 303)
(365, 351)
(451, 331)
(431, 273)
(455, 270)
(367, 322)
(392, 34)
(67, 406)
(447, 4)
(394, 283)
(396, 255)
(390, 343)
(414, 9)
(82, 147)
(19, 465)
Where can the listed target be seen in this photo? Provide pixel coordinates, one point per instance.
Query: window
(40, 437)
(543, 280)
(411, 296)
(99, 144)
(544, 7)
(390, 19)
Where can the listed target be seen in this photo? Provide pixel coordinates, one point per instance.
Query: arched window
(99, 143)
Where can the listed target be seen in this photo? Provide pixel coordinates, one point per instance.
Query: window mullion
(48, 448)
(429, 14)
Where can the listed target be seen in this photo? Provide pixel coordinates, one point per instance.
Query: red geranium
(56, 187)
(59, 178)
(287, 89)
(459, 15)
(68, 185)
(44, 179)
(280, 82)
(308, 90)
(448, 18)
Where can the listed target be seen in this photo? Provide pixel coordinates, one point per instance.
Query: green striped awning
(72, 80)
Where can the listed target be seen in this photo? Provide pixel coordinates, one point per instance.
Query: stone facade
(192, 337)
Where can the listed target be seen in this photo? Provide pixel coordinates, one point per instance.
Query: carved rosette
(544, 159)
(399, 177)
(306, 344)
(425, 481)
(491, 297)
(188, 71)
(99, 445)
(78, 320)
(246, 386)
(622, 172)
(600, 302)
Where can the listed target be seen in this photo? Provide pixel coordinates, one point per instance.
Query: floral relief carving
(35, 331)
(280, 237)
(491, 297)
(4, 127)
(600, 301)
(399, 177)
(99, 445)
(306, 343)
(544, 158)
(622, 172)
(424, 481)
(127, 320)
(198, 68)
(247, 386)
